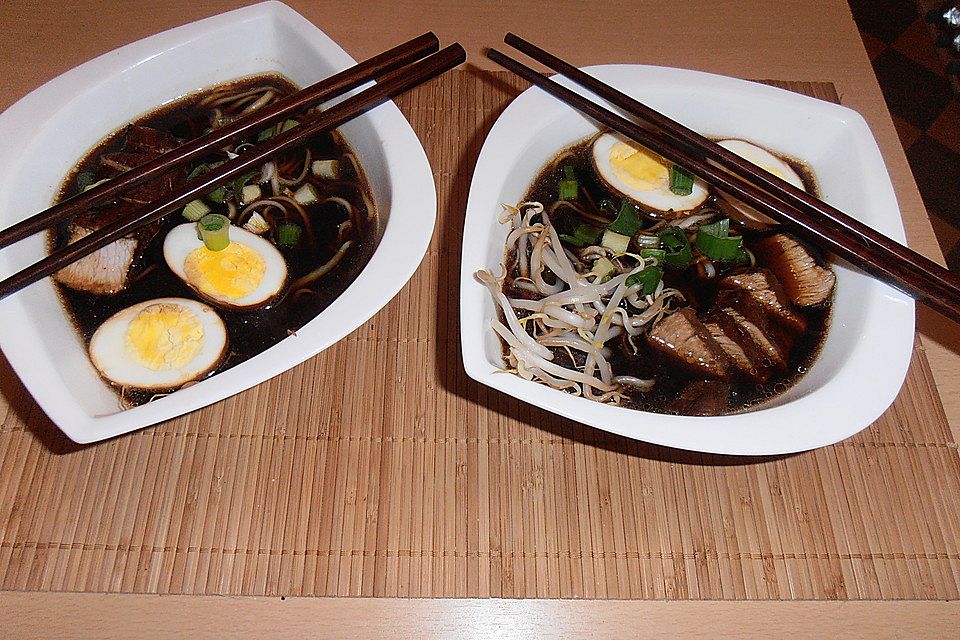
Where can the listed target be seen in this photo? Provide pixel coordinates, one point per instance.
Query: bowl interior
(838, 147)
(53, 127)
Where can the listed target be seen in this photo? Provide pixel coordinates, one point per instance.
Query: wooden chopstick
(327, 88)
(388, 87)
(810, 218)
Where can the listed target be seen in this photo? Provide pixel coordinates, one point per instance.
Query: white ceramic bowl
(867, 351)
(50, 129)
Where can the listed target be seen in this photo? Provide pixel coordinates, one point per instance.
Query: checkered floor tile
(924, 102)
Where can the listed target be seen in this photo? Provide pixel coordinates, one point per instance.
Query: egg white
(767, 161)
(109, 355)
(659, 198)
(182, 240)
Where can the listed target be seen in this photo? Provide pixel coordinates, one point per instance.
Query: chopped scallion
(616, 242)
(214, 231)
(307, 194)
(583, 236)
(715, 242)
(240, 182)
(568, 186)
(657, 254)
(250, 193)
(265, 134)
(217, 195)
(603, 269)
(681, 181)
(198, 170)
(328, 169)
(647, 241)
(85, 179)
(289, 124)
(648, 279)
(628, 220)
(679, 255)
(288, 234)
(95, 184)
(194, 210)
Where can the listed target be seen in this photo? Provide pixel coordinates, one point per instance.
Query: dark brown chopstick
(389, 86)
(326, 89)
(863, 247)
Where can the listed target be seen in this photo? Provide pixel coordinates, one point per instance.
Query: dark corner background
(912, 64)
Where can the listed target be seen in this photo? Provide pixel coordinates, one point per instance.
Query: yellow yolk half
(638, 168)
(231, 273)
(164, 336)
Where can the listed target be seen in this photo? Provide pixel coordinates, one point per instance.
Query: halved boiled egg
(641, 175)
(767, 161)
(159, 344)
(248, 273)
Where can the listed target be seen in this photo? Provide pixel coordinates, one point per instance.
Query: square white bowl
(867, 350)
(54, 126)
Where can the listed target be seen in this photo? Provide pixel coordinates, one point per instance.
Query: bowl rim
(748, 433)
(401, 248)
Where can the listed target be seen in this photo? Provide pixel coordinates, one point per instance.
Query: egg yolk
(164, 336)
(231, 273)
(638, 168)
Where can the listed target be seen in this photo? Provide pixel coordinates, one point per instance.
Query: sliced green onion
(289, 124)
(715, 242)
(647, 241)
(329, 169)
(198, 170)
(657, 254)
(628, 220)
(215, 231)
(265, 134)
(288, 234)
(681, 181)
(217, 195)
(603, 268)
(86, 179)
(616, 242)
(307, 194)
(675, 243)
(648, 279)
(240, 182)
(250, 193)
(583, 236)
(568, 186)
(194, 210)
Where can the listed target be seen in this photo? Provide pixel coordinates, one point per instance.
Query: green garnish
(674, 241)
(86, 179)
(289, 124)
(217, 195)
(265, 134)
(603, 269)
(238, 183)
(198, 170)
(681, 181)
(628, 220)
(657, 254)
(215, 231)
(288, 234)
(715, 242)
(194, 210)
(568, 186)
(583, 236)
(616, 242)
(648, 279)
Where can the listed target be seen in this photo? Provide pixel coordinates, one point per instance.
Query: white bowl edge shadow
(868, 348)
(45, 350)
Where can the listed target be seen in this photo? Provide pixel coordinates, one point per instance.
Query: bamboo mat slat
(379, 469)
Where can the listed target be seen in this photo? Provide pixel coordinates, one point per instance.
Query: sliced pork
(683, 338)
(805, 282)
(764, 287)
(104, 271)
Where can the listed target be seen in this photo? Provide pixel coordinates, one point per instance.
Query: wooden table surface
(786, 39)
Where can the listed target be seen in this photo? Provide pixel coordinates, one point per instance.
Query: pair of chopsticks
(810, 218)
(396, 71)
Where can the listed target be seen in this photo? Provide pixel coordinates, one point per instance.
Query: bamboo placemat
(379, 469)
